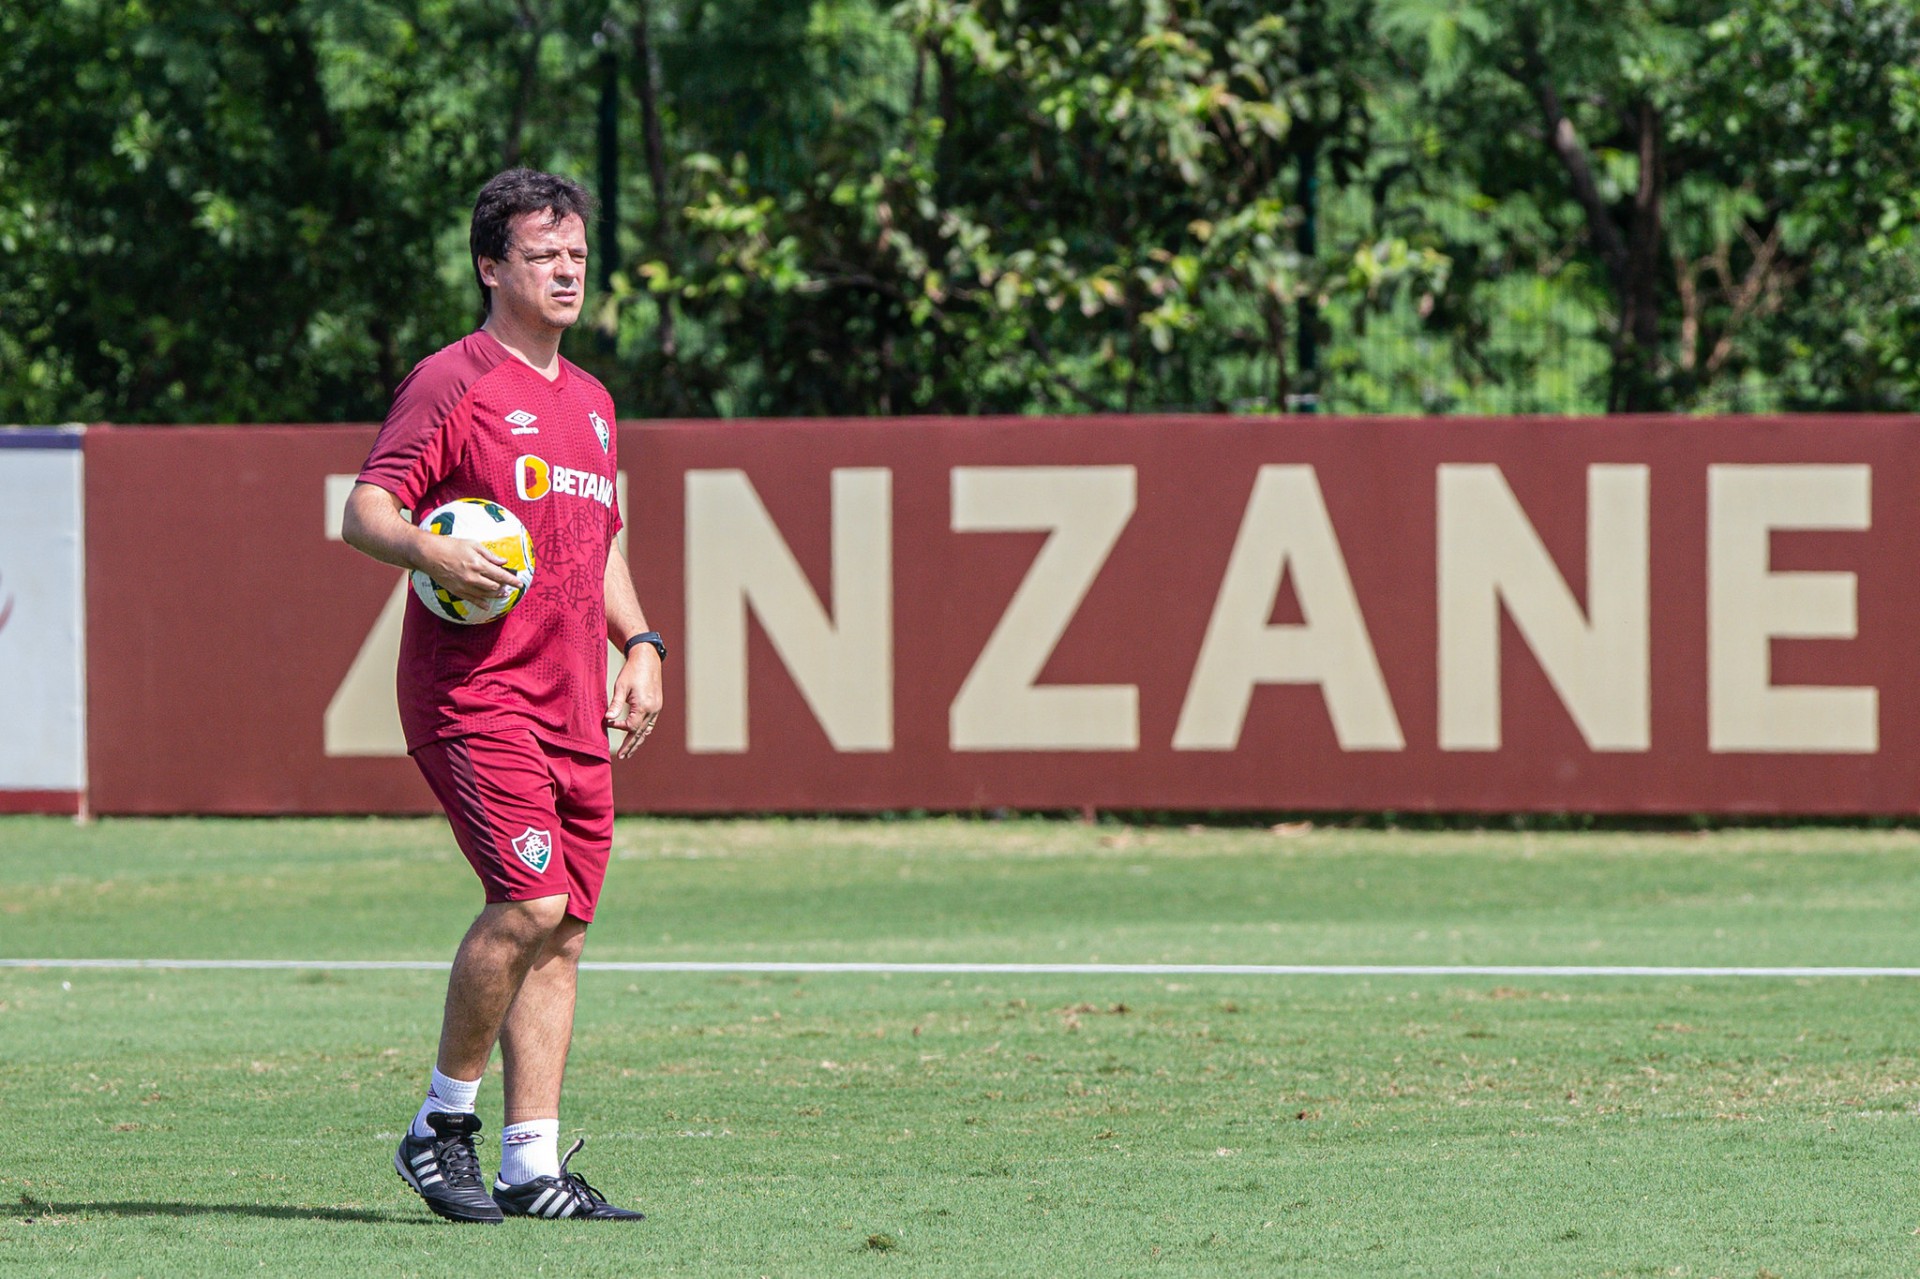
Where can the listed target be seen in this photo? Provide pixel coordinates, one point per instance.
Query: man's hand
(637, 698)
(637, 695)
(467, 569)
(372, 525)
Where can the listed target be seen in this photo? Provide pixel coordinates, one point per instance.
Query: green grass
(169, 1123)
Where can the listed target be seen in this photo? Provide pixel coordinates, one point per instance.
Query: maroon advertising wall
(1653, 615)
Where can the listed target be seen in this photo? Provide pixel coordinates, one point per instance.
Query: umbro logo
(535, 848)
(523, 422)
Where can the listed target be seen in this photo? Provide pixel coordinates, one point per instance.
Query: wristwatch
(647, 637)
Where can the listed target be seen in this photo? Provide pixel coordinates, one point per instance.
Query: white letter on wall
(361, 717)
(736, 560)
(1000, 707)
(1490, 556)
(1286, 525)
(1748, 607)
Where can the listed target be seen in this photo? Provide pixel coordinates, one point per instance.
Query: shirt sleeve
(423, 436)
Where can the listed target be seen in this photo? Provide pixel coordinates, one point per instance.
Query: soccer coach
(508, 720)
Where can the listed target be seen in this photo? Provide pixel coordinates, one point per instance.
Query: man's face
(542, 280)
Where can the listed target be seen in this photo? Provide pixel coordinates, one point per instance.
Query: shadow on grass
(31, 1210)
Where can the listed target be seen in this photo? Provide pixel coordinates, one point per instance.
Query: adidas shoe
(444, 1171)
(567, 1195)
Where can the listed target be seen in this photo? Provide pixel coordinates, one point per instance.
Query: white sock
(529, 1150)
(445, 1096)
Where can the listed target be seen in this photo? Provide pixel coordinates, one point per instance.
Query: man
(507, 720)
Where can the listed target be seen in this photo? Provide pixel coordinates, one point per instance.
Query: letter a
(1286, 525)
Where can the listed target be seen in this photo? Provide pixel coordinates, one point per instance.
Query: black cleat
(444, 1171)
(567, 1195)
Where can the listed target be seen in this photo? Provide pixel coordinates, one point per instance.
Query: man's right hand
(467, 569)
(373, 525)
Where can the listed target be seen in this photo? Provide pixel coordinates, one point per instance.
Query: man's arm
(372, 526)
(637, 693)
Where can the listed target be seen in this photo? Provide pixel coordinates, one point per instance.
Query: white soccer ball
(494, 527)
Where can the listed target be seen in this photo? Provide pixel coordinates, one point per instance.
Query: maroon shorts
(535, 820)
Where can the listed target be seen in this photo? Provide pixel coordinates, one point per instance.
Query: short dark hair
(509, 195)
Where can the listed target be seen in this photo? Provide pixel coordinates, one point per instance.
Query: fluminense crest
(535, 848)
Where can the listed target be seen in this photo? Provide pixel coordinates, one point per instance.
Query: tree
(214, 212)
(256, 210)
(1088, 206)
(1824, 99)
(1705, 187)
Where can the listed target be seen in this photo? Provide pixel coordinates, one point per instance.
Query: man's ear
(487, 267)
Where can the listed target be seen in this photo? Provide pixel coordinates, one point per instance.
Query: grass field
(212, 1122)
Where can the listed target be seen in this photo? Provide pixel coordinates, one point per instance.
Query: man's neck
(538, 349)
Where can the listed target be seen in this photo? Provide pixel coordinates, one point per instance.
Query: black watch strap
(647, 637)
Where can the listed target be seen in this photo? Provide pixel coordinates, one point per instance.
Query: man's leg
(534, 1181)
(498, 791)
(496, 959)
(436, 1156)
(538, 1027)
(533, 1047)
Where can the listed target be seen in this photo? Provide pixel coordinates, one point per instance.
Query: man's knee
(528, 925)
(568, 939)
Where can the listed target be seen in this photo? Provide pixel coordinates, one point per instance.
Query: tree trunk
(528, 80)
(1274, 313)
(648, 81)
(1631, 256)
(1635, 376)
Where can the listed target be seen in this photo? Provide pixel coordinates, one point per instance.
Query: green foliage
(228, 212)
(1836, 119)
(256, 211)
(1087, 209)
(1742, 238)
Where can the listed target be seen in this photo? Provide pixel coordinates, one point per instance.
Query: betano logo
(531, 477)
(534, 479)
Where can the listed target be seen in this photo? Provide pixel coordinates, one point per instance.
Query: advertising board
(1628, 615)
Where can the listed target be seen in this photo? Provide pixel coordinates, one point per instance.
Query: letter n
(1491, 557)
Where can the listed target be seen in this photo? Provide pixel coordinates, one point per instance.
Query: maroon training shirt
(473, 420)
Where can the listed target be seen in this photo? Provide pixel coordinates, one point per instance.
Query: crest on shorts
(600, 429)
(535, 848)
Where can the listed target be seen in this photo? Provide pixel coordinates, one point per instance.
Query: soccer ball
(494, 527)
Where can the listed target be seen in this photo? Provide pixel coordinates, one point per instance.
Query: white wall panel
(43, 743)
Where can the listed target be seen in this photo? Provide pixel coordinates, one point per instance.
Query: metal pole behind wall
(1307, 327)
(608, 250)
